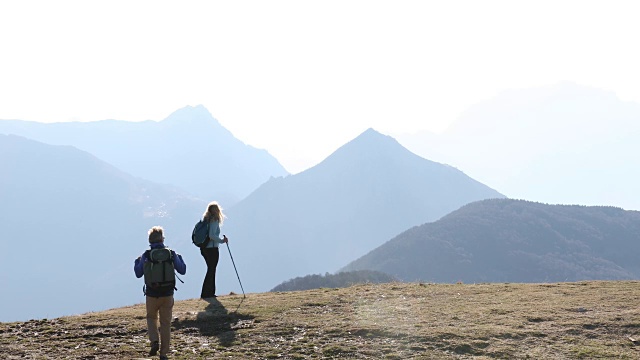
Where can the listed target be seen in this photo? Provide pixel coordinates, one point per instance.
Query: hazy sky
(300, 78)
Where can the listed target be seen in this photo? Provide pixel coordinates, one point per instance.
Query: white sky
(301, 78)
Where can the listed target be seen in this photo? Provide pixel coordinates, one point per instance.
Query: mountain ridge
(505, 240)
(343, 207)
(178, 145)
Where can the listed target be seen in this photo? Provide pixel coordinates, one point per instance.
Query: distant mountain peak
(372, 133)
(370, 144)
(372, 152)
(191, 115)
(371, 140)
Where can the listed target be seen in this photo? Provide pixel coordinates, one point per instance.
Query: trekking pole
(234, 267)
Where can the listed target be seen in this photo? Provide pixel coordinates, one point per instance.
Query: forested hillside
(339, 280)
(503, 240)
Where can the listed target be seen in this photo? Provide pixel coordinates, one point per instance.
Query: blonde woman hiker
(157, 265)
(211, 253)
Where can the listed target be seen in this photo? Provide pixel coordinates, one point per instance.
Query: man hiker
(157, 265)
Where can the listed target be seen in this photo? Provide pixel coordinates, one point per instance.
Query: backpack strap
(147, 256)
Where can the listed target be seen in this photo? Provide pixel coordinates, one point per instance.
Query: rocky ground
(585, 320)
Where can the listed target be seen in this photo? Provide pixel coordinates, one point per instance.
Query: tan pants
(164, 306)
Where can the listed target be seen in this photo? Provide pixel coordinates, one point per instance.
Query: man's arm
(138, 266)
(179, 264)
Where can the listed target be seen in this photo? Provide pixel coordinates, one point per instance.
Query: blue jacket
(178, 264)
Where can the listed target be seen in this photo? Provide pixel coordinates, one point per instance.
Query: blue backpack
(200, 235)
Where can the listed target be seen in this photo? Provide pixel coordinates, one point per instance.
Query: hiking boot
(155, 346)
(164, 357)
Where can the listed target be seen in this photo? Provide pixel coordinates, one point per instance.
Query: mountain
(188, 149)
(363, 194)
(503, 240)
(71, 225)
(560, 144)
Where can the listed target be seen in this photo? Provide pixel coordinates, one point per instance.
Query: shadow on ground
(216, 321)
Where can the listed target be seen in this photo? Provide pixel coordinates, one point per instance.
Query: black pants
(211, 257)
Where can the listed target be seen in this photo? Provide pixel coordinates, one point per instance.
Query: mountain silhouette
(71, 225)
(560, 144)
(504, 240)
(188, 149)
(366, 192)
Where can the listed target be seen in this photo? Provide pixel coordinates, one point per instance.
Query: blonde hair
(156, 234)
(214, 212)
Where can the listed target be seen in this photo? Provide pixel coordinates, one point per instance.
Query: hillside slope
(585, 320)
(366, 192)
(71, 225)
(504, 240)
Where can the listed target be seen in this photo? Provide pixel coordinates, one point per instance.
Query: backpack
(159, 272)
(200, 234)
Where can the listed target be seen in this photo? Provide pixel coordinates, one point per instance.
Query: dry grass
(586, 320)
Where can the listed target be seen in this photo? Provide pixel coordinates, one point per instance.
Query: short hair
(156, 234)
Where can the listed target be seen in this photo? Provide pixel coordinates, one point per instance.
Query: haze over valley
(77, 199)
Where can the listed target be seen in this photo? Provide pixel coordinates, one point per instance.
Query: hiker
(211, 254)
(157, 265)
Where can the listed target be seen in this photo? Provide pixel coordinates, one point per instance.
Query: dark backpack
(200, 234)
(159, 272)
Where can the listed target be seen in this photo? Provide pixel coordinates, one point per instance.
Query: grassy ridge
(584, 320)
